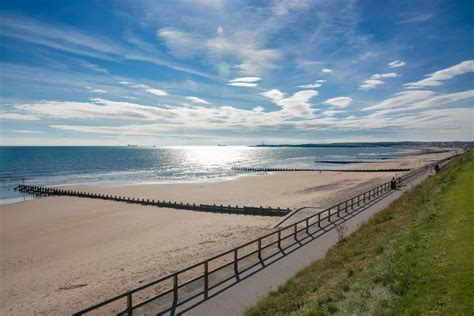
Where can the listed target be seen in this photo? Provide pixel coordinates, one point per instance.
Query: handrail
(321, 221)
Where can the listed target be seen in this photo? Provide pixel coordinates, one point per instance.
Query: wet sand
(62, 254)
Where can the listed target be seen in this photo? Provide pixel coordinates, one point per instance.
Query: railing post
(175, 294)
(236, 267)
(206, 279)
(260, 251)
(129, 304)
(279, 240)
(307, 225)
(296, 232)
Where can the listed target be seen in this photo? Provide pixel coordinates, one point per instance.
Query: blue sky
(235, 72)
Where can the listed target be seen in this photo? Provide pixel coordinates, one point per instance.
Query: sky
(213, 72)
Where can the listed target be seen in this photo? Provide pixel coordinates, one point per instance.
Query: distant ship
(129, 145)
(221, 145)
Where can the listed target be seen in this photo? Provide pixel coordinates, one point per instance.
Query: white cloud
(396, 63)
(242, 84)
(70, 40)
(375, 80)
(414, 17)
(125, 83)
(273, 94)
(437, 78)
(220, 30)
(321, 81)
(140, 86)
(401, 99)
(179, 42)
(418, 99)
(387, 75)
(22, 131)
(17, 117)
(98, 91)
(370, 84)
(177, 118)
(339, 102)
(326, 71)
(283, 7)
(197, 100)
(156, 92)
(242, 46)
(311, 85)
(246, 79)
(296, 105)
(332, 112)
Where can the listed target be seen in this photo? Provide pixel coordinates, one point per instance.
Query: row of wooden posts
(244, 210)
(258, 169)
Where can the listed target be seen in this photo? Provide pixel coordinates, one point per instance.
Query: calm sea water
(117, 165)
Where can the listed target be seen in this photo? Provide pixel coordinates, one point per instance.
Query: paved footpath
(247, 292)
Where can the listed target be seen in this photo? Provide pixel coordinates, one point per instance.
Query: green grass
(415, 257)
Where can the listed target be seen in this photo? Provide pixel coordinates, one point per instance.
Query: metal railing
(204, 279)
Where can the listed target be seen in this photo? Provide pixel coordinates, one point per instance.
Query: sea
(108, 166)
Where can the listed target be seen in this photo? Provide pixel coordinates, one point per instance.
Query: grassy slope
(415, 257)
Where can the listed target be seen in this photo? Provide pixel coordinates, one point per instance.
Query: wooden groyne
(351, 161)
(229, 209)
(256, 169)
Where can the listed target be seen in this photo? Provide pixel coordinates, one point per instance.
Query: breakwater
(257, 169)
(214, 208)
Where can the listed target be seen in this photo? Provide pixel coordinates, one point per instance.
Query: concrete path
(247, 292)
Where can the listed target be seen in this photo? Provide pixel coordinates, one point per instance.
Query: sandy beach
(62, 254)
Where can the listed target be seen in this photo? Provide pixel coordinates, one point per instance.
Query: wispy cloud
(95, 90)
(326, 71)
(253, 57)
(414, 17)
(157, 92)
(437, 78)
(396, 64)
(339, 102)
(418, 99)
(316, 84)
(375, 80)
(246, 79)
(197, 100)
(70, 40)
(331, 112)
(401, 99)
(22, 131)
(243, 84)
(17, 117)
(248, 82)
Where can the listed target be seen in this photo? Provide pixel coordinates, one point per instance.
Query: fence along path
(229, 209)
(257, 169)
(204, 279)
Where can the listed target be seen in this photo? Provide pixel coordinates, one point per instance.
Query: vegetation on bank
(415, 257)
